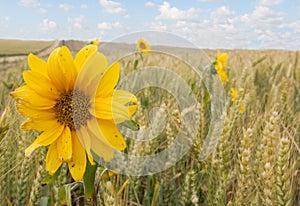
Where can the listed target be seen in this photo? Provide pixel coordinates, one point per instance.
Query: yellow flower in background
(74, 104)
(220, 64)
(234, 97)
(233, 94)
(242, 108)
(95, 42)
(221, 61)
(143, 46)
(223, 76)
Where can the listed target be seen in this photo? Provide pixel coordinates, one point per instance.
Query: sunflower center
(72, 109)
(142, 45)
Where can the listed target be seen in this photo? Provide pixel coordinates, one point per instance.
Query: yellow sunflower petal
(40, 84)
(67, 65)
(112, 134)
(37, 65)
(52, 161)
(107, 132)
(83, 55)
(222, 59)
(38, 124)
(34, 113)
(85, 140)
(124, 97)
(109, 109)
(32, 99)
(56, 73)
(91, 73)
(223, 76)
(233, 94)
(109, 80)
(64, 145)
(78, 164)
(242, 108)
(46, 138)
(101, 149)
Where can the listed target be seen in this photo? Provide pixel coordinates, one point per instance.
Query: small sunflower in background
(235, 97)
(95, 42)
(75, 106)
(143, 46)
(220, 65)
(233, 94)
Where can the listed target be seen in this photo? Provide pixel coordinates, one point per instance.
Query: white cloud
(269, 2)
(77, 22)
(295, 26)
(223, 17)
(83, 6)
(42, 11)
(48, 25)
(169, 12)
(66, 7)
(29, 3)
(112, 7)
(264, 17)
(4, 22)
(109, 25)
(157, 25)
(149, 4)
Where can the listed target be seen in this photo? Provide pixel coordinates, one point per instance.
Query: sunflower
(143, 46)
(220, 64)
(233, 94)
(75, 106)
(95, 42)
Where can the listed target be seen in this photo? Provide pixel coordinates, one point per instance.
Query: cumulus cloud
(109, 25)
(66, 7)
(77, 22)
(48, 25)
(223, 28)
(263, 17)
(170, 12)
(42, 11)
(269, 2)
(112, 7)
(295, 26)
(29, 3)
(222, 17)
(4, 22)
(149, 4)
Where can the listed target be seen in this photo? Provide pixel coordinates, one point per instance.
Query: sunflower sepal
(89, 179)
(50, 178)
(131, 125)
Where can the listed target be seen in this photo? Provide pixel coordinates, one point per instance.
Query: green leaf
(131, 125)
(89, 180)
(50, 178)
(205, 98)
(44, 201)
(145, 101)
(135, 64)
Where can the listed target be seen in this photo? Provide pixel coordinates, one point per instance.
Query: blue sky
(259, 24)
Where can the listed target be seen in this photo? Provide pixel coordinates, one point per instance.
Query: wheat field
(255, 162)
